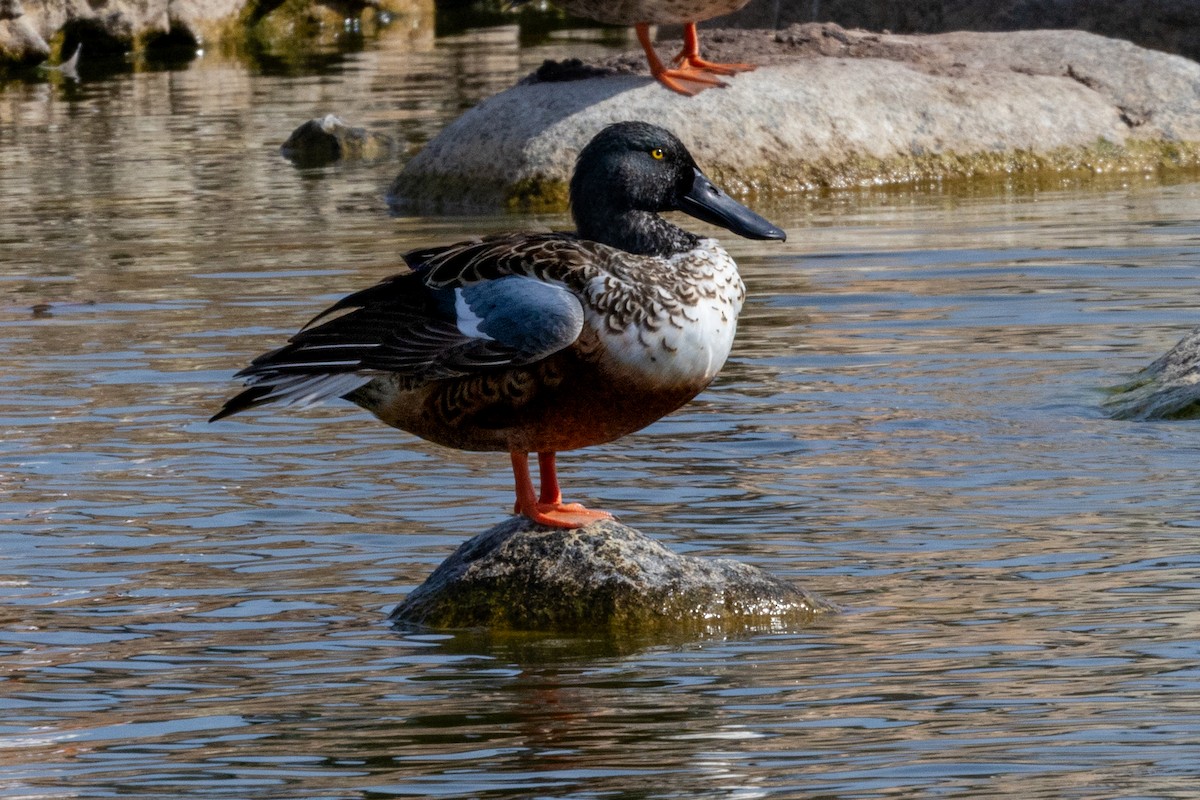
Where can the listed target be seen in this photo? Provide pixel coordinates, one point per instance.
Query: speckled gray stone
(1167, 389)
(605, 577)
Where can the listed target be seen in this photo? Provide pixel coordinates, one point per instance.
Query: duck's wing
(467, 308)
(559, 257)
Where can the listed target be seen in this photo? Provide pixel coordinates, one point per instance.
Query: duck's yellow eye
(657, 154)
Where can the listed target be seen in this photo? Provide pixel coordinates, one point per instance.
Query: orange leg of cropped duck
(683, 79)
(690, 55)
(548, 508)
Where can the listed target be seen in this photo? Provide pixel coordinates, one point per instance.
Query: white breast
(688, 332)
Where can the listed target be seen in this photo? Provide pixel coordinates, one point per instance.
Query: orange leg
(548, 509)
(690, 55)
(678, 79)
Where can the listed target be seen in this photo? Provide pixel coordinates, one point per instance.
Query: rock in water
(327, 139)
(605, 577)
(1167, 389)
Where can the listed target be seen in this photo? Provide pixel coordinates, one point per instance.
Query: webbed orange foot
(564, 515)
(686, 80)
(683, 79)
(700, 65)
(691, 67)
(548, 509)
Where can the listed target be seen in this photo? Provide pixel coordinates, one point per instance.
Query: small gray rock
(605, 577)
(327, 139)
(1167, 389)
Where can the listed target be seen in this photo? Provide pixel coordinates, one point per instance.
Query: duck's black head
(630, 172)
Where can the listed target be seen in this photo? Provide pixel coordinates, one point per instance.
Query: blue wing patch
(531, 318)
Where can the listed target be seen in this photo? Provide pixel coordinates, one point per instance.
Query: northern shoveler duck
(539, 342)
(691, 74)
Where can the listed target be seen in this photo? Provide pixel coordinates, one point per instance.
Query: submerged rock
(605, 577)
(831, 107)
(327, 139)
(1167, 389)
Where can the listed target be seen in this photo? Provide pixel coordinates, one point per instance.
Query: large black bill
(706, 202)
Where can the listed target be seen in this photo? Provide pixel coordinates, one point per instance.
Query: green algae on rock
(606, 577)
(1102, 158)
(1167, 389)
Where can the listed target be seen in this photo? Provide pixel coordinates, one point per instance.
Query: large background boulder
(1170, 25)
(831, 107)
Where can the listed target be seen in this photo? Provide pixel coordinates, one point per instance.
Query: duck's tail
(292, 389)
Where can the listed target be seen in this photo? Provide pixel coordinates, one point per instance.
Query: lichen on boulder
(606, 577)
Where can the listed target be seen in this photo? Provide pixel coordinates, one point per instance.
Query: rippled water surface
(909, 426)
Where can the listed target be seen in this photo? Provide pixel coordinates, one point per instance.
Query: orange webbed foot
(564, 515)
(687, 81)
(548, 509)
(700, 65)
(689, 66)
(683, 79)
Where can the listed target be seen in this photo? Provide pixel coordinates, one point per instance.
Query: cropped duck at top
(691, 74)
(539, 342)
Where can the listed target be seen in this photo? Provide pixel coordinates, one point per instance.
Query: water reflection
(908, 425)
